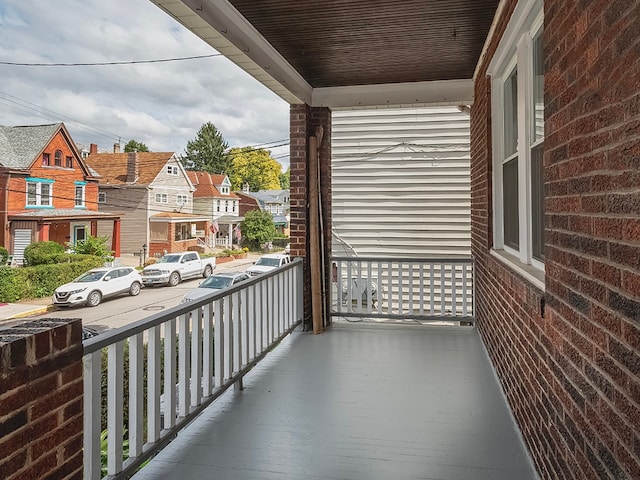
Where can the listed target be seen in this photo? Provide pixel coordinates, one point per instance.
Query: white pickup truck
(172, 268)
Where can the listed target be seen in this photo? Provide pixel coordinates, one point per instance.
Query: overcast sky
(162, 105)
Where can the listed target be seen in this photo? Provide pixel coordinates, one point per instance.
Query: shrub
(41, 280)
(93, 246)
(4, 255)
(39, 253)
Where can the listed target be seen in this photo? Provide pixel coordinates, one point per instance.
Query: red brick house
(554, 94)
(48, 191)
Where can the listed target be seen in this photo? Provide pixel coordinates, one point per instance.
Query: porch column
(94, 228)
(43, 235)
(304, 121)
(115, 238)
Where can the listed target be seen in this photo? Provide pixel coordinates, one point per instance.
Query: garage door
(21, 239)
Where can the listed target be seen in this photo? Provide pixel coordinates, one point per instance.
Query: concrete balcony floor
(359, 402)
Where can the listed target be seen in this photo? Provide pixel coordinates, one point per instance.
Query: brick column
(41, 400)
(303, 122)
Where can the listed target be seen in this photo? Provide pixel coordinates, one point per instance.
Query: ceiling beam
(445, 92)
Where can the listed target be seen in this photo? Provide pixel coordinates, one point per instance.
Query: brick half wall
(41, 391)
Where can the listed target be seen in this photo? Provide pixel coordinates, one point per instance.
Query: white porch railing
(194, 352)
(401, 288)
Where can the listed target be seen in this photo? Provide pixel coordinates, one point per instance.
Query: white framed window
(182, 199)
(79, 195)
(517, 105)
(39, 193)
(224, 190)
(162, 198)
(102, 197)
(172, 169)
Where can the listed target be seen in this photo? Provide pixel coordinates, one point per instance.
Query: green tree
(255, 167)
(133, 146)
(257, 228)
(207, 152)
(285, 179)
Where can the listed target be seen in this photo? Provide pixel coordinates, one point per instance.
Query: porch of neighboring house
(66, 227)
(176, 232)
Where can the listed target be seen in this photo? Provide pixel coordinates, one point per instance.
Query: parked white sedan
(91, 287)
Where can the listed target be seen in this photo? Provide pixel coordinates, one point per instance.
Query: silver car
(215, 283)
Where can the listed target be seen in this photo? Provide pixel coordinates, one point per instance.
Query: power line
(100, 64)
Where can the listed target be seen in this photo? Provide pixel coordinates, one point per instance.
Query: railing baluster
(442, 289)
(390, 287)
(196, 357)
(464, 290)
(207, 350)
(421, 283)
(454, 303)
(219, 344)
(153, 385)
(183, 366)
(136, 394)
(169, 404)
(410, 282)
(115, 376)
(228, 338)
(92, 367)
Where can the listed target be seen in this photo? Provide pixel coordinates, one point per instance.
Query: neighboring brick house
(213, 198)
(48, 191)
(154, 191)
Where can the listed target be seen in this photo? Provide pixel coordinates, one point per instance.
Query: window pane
(79, 195)
(538, 88)
(537, 203)
(45, 194)
(510, 202)
(511, 115)
(31, 193)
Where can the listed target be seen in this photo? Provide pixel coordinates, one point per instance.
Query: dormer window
(58, 158)
(225, 190)
(172, 170)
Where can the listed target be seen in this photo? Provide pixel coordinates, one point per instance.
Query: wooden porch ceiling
(362, 42)
(346, 52)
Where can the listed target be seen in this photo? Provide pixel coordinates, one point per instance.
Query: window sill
(529, 272)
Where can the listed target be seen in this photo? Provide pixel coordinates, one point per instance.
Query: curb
(34, 311)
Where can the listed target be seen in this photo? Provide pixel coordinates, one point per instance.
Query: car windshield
(169, 259)
(268, 262)
(90, 277)
(216, 282)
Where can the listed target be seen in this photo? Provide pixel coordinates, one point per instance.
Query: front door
(79, 233)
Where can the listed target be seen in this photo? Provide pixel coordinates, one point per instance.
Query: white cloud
(162, 104)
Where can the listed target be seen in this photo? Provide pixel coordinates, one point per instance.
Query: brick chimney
(132, 167)
(116, 148)
(93, 148)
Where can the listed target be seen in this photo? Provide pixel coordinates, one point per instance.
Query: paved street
(122, 310)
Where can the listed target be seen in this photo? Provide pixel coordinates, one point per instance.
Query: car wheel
(207, 271)
(134, 289)
(174, 279)
(94, 299)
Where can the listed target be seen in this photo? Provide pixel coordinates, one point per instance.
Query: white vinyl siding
(401, 181)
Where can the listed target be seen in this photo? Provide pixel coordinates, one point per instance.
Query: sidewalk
(11, 311)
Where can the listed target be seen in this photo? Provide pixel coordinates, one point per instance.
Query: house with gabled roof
(155, 192)
(213, 197)
(275, 202)
(48, 191)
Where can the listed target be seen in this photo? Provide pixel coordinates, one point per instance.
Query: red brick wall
(571, 376)
(303, 122)
(41, 400)
(63, 187)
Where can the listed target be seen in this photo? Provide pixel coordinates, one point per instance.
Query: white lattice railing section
(400, 288)
(178, 362)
